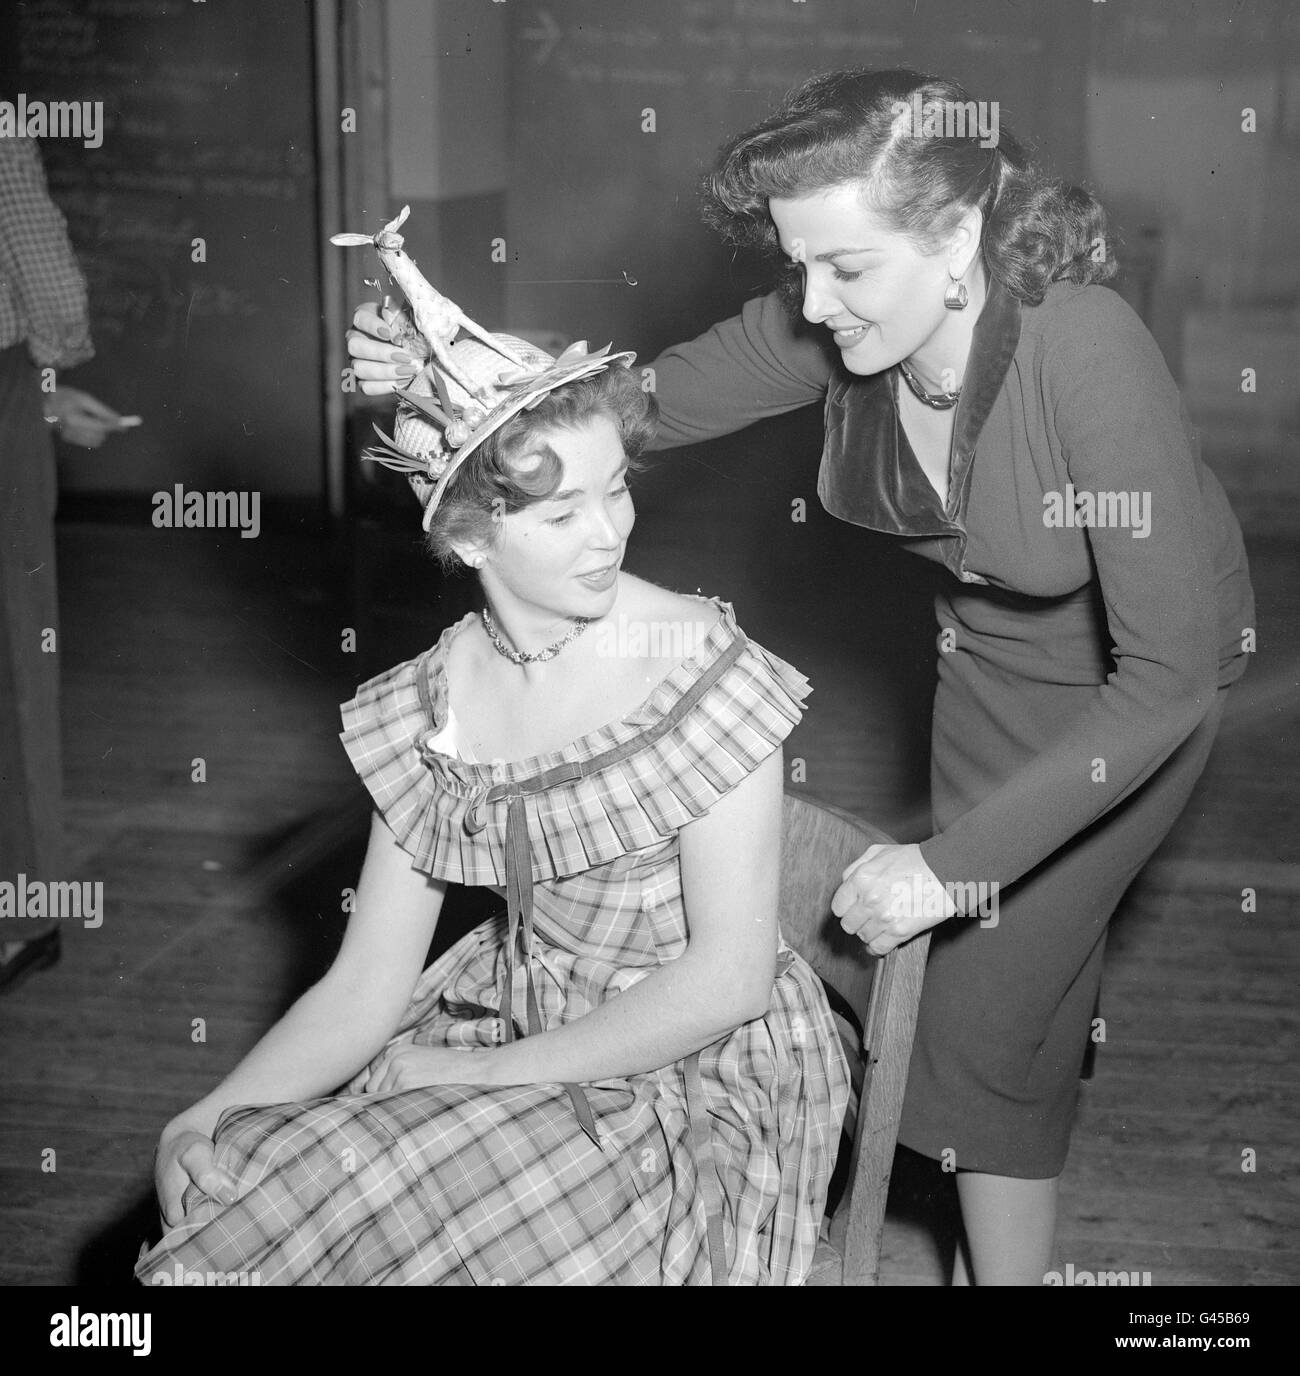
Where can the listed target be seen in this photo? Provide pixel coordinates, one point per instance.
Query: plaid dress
(610, 1182)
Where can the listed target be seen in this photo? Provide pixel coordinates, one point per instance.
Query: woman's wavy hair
(492, 482)
(844, 127)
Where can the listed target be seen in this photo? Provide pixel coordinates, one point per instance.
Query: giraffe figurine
(438, 319)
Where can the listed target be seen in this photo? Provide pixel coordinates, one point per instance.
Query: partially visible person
(44, 323)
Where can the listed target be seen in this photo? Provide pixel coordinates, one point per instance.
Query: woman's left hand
(416, 1067)
(890, 895)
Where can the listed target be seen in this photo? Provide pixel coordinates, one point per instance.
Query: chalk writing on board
(208, 134)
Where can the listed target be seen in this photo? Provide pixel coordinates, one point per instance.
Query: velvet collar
(869, 475)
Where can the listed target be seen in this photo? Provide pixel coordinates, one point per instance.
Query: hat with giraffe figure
(470, 382)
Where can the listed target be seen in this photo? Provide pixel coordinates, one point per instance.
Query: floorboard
(222, 898)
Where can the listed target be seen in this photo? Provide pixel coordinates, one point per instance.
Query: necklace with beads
(580, 624)
(936, 401)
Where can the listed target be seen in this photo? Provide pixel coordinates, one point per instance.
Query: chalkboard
(598, 199)
(208, 118)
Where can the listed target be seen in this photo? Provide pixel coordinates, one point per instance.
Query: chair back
(818, 843)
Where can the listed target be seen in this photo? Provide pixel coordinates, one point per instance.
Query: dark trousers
(31, 774)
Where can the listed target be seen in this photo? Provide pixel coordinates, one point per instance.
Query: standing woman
(1009, 418)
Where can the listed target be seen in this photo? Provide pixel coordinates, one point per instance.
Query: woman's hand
(185, 1156)
(415, 1067)
(889, 896)
(379, 364)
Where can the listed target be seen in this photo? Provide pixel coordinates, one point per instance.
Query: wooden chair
(818, 842)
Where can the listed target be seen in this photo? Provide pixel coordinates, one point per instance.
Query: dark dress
(1081, 680)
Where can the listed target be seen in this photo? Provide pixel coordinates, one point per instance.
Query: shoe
(39, 954)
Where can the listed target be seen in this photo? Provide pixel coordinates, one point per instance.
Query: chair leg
(890, 1025)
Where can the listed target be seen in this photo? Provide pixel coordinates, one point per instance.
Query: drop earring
(956, 297)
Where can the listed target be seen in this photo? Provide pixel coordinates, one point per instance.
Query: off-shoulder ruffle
(632, 803)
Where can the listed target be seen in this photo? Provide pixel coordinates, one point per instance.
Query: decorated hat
(433, 436)
(472, 383)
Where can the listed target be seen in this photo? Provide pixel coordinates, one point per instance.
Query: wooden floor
(222, 898)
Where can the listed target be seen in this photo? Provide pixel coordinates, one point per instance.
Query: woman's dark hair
(491, 483)
(846, 127)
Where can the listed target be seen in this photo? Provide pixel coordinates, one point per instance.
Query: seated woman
(627, 1077)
